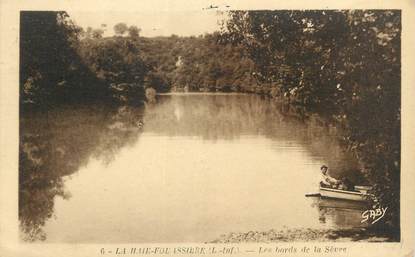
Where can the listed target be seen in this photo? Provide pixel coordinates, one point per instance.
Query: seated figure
(327, 180)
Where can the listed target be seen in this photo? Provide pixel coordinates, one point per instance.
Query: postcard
(207, 128)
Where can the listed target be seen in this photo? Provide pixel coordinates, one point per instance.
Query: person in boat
(326, 179)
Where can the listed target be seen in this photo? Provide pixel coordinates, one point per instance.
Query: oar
(313, 195)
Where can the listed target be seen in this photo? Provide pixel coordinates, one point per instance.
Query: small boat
(359, 195)
(339, 204)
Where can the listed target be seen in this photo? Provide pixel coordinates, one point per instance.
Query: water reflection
(57, 144)
(340, 213)
(215, 163)
(228, 117)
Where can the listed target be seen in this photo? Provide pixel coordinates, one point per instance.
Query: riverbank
(303, 235)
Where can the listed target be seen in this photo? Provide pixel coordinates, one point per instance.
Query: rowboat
(338, 204)
(359, 195)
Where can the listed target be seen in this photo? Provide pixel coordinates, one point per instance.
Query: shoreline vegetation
(342, 65)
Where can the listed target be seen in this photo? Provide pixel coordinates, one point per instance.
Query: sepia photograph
(272, 126)
(215, 126)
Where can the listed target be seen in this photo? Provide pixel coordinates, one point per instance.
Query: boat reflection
(340, 213)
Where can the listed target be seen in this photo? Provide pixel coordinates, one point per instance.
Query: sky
(153, 22)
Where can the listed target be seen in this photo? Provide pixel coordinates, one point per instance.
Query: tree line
(64, 63)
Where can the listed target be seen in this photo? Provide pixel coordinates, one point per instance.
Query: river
(202, 165)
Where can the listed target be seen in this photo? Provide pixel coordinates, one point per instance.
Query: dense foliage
(116, 61)
(61, 62)
(204, 65)
(51, 70)
(343, 63)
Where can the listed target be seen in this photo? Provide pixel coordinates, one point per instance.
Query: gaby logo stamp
(374, 215)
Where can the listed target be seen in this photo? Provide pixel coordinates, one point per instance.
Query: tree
(120, 28)
(97, 33)
(51, 70)
(133, 31)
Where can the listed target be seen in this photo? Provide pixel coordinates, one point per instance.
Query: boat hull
(343, 194)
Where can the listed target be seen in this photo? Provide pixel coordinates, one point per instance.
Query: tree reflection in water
(57, 144)
(218, 116)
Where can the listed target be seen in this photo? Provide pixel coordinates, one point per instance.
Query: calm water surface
(201, 166)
